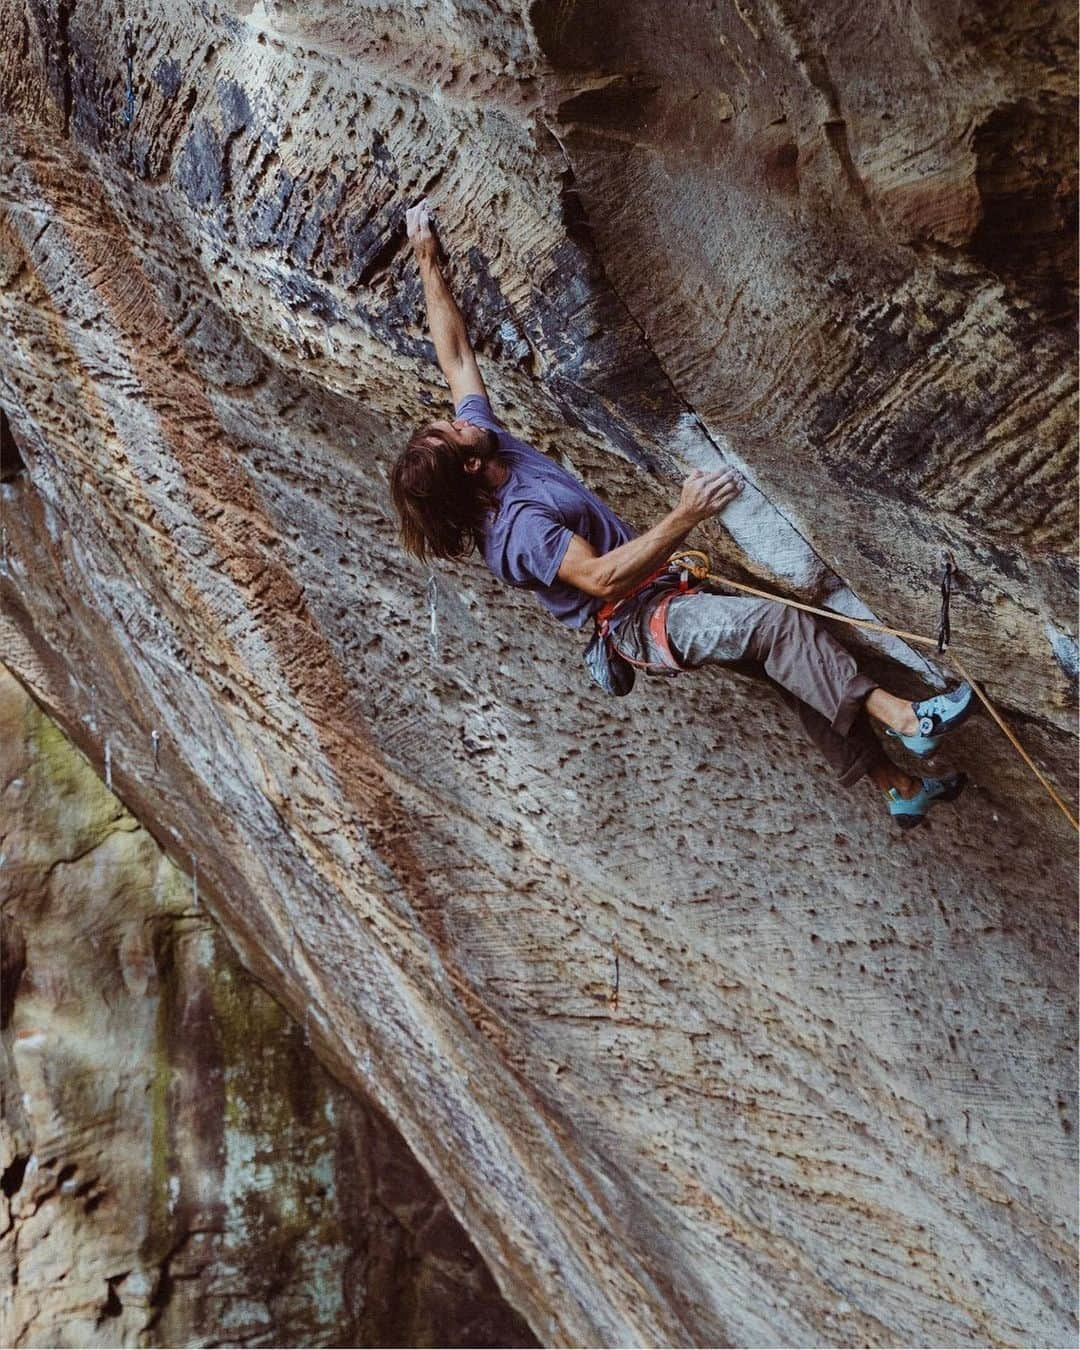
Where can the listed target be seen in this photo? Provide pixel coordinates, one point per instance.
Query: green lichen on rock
(188, 1173)
(74, 809)
(277, 1107)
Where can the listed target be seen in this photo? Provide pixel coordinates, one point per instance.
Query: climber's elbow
(583, 569)
(607, 589)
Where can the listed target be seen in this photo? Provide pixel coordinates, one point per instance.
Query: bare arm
(448, 332)
(611, 575)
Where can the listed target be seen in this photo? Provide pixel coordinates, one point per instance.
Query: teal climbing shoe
(923, 746)
(942, 713)
(910, 811)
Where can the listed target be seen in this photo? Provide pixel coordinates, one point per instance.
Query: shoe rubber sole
(949, 795)
(923, 747)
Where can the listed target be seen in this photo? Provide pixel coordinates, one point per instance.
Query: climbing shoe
(942, 713)
(910, 811)
(918, 745)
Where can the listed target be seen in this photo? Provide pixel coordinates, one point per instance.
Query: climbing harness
(667, 582)
(608, 664)
(695, 563)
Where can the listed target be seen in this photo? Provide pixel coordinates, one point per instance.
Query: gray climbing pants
(815, 673)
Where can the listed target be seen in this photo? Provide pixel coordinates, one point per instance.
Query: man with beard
(466, 484)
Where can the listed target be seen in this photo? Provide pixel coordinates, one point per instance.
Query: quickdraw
(127, 115)
(948, 569)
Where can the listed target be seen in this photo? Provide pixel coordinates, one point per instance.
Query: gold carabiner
(694, 561)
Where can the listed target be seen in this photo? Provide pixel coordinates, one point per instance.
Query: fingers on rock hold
(418, 216)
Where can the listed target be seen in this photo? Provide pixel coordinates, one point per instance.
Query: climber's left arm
(448, 331)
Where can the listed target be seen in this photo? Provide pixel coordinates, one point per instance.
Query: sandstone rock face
(831, 1102)
(176, 1169)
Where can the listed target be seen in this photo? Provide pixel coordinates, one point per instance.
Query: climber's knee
(780, 625)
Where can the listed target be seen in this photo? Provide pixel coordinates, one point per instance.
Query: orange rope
(696, 563)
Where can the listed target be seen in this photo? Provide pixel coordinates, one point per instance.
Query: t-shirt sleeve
(536, 545)
(476, 408)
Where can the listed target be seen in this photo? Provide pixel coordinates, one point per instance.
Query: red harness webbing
(657, 620)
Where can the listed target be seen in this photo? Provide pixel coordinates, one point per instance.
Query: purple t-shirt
(540, 508)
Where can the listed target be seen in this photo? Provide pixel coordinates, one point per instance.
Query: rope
(1051, 790)
(696, 562)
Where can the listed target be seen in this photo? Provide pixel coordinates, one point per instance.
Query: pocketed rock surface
(832, 1102)
(175, 1167)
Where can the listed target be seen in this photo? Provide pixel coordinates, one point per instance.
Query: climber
(467, 483)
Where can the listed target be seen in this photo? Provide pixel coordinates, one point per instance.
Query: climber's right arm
(448, 331)
(610, 576)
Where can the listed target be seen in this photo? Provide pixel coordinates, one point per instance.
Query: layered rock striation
(830, 1104)
(175, 1167)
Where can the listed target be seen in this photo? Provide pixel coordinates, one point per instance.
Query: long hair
(440, 507)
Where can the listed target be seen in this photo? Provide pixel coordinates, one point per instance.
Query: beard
(482, 441)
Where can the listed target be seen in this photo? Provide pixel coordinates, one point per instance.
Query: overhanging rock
(828, 1105)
